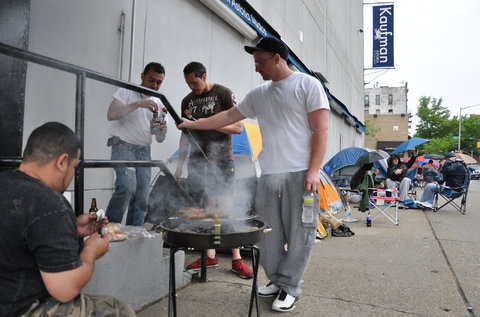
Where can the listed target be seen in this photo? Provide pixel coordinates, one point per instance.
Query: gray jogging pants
(278, 202)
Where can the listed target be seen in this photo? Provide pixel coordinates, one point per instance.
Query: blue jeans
(429, 193)
(131, 185)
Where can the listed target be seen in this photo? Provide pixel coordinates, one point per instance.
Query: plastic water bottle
(349, 213)
(308, 212)
(329, 230)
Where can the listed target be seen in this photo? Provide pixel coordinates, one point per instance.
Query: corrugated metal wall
(14, 21)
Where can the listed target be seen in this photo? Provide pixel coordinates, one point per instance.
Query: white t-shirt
(281, 108)
(134, 128)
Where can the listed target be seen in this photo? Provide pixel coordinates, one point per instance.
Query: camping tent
(331, 199)
(246, 147)
(342, 165)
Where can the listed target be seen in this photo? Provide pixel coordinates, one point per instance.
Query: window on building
(367, 101)
(390, 110)
(395, 128)
(377, 99)
(390, 99)
(366, 111)
(377, 111)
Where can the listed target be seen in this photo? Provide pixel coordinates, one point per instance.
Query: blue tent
(243, 144)
(348, 157)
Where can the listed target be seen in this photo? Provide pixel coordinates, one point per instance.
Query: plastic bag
(113, 231)
(137, 231)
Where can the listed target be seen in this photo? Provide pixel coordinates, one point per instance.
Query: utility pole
(460, 123)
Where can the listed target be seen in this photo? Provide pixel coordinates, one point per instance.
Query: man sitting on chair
(397, 175)
(453, 172)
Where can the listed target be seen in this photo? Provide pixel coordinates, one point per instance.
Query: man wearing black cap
(292, 111)
(453, 172)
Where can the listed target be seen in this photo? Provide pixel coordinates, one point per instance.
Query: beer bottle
(93, 207)
(154, 124)
(217, 229)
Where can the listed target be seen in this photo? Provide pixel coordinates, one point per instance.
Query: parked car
(474, 170)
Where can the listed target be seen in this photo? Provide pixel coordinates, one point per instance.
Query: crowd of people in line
(449, 173)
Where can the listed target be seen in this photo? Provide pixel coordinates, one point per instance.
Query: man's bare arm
(318, 120)
(64, 286)
(118, 110)
(215, 122)
(235, 128)
(182, 154)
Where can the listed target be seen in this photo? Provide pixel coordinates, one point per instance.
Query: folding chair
(450, 194)
(428, 177)
(412, 192)
(380, 202)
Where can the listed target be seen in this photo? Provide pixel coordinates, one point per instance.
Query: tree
(470, 133)
(434, 119)
(439, 146)
(371, 129)
(436, 126)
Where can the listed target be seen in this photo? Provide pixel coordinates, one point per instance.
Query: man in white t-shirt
(132, 114)
(292, 112)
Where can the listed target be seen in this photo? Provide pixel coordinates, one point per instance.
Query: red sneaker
(197, 265)
(242, 270)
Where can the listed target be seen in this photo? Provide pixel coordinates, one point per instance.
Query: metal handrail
(82, 74)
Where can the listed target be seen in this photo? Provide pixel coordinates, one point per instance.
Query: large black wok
(198, 234)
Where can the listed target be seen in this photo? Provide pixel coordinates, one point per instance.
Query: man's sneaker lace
(197, 265)
(242, 270)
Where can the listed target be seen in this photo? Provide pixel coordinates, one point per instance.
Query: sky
(436, 50)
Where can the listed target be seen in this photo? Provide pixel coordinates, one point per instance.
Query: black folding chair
(450, 194)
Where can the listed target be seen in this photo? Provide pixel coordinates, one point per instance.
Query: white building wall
(399, 97)
(86, 33)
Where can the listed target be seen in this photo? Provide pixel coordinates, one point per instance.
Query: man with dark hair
(212, 184)
(397, 175)
(292, 111)
(132, 114)
(453, 172)
(41, 265)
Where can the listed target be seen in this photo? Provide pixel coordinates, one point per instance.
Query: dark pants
(83, 305)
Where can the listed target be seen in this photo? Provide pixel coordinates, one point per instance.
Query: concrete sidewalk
(429, 265)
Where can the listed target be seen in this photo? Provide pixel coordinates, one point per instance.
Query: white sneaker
(425, 204)
(284, 302)
(268, 290)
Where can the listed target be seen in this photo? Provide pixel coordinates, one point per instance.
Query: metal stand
(172, 297)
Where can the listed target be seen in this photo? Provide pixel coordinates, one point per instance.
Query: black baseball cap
(449, 155)
(270, 44)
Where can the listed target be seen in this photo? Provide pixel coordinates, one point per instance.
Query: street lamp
(460, 123)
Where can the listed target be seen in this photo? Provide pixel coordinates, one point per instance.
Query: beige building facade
(387, 117)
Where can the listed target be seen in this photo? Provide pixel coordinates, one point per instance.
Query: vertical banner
(383, 36)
